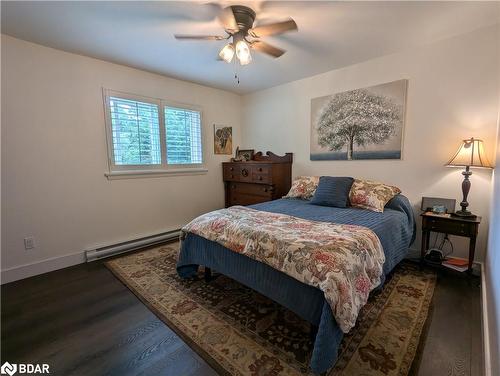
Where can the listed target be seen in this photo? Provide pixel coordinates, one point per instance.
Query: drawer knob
(231, 169)
(265, 189)
(260, 177)
(260, 168)
(232, 176)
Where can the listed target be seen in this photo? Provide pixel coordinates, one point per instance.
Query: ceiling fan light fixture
(238, 22)
(243, 52)
(227, 53)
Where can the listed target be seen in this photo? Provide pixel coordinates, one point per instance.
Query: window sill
(140, 174)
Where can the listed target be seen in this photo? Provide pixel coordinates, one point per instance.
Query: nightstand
(466, 227)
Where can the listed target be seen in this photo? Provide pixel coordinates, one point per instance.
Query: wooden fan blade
(267, 48)
(228, 21)
(273, 29)
(198, 37)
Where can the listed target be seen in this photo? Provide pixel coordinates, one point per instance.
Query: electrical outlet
(29, 243)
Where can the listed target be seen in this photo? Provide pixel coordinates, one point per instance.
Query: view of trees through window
(183, 136)
(135, 128)
(136, 132)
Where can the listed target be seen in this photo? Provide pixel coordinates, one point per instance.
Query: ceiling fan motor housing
(244, 17)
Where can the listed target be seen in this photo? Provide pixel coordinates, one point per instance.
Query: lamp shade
(470, 154)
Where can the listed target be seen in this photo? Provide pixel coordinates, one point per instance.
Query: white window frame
(164, 169)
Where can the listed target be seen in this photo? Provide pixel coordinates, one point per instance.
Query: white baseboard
(60, 262)
(29, 270)
(485, 323)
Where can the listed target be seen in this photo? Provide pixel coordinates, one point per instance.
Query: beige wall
(54, 156)
(452, 94)
(54, 151)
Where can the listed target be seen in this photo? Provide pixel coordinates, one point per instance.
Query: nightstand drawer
(449, 226)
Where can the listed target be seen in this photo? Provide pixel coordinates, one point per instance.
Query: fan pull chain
(236, 73)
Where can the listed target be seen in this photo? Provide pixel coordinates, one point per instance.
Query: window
(151, 135)
(183, 135)
(136, 132)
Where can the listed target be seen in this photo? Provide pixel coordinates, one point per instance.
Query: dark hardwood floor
(83, 321)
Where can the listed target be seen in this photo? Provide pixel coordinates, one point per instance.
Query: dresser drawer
(262, 174)
(231, 173)
(262, 170)
(262, 178)
(245, 173)
(251, 189)
(238, 173)
(246, 199)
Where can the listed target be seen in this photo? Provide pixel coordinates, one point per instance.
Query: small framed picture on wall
(223, 139)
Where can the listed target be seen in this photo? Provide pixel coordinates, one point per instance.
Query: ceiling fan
(238, 22)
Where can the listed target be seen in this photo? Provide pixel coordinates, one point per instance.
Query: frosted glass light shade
(470, 153)
(243, 52)
(227, 53)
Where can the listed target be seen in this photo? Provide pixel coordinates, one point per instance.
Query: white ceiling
(331, 34)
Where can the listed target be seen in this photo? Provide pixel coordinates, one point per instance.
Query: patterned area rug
(240, 332)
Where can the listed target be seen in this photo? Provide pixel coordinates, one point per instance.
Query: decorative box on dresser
(264, 178)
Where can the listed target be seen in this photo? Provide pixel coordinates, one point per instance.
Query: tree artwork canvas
(223, 139)
(358, 124)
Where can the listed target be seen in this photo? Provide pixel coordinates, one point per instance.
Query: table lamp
(470, 154)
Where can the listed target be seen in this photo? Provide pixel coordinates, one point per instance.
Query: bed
(395, 228)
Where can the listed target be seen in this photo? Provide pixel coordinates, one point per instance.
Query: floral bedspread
(343, 261)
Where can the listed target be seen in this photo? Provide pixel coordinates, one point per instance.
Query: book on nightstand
(457, 264)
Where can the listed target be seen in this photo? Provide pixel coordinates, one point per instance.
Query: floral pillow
(303, 187)
(371, 195)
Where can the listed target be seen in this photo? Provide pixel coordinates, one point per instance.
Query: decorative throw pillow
(371, 195)
(333, 191)
(303, 187)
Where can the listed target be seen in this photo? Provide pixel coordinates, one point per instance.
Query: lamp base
(464, 214)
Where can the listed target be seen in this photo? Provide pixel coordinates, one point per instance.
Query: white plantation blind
(183, 136)
(136, 132)
(151, 135)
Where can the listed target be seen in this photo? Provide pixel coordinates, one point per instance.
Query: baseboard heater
(131, 245)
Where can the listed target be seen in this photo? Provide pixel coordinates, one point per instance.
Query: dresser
(264, 178)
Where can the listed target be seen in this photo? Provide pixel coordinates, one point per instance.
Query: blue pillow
(332, 191)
